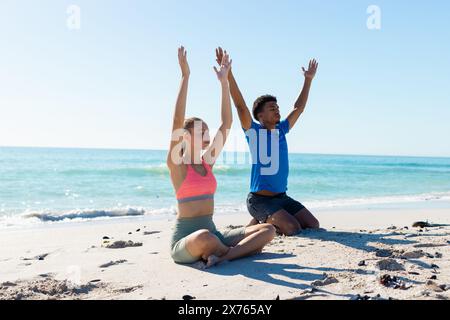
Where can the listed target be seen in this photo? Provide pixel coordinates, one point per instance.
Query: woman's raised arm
(180, 106)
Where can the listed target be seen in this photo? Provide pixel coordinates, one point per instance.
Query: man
(267, 201)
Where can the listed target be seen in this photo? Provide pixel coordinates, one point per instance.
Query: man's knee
(289, 228)
(315, 224)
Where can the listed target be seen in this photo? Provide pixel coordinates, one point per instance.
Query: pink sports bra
(196, 187)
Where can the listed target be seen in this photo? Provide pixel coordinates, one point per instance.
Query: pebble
(383, 253)
(390, 265)
(413, 254)
(421, 224)
(435, 287)
(393, 282)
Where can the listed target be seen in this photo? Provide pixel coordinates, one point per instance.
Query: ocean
(49, 185)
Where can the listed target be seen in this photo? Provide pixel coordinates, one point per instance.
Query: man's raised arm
(244, 114)
(300, 104)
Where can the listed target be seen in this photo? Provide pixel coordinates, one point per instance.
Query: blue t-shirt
(270, 161)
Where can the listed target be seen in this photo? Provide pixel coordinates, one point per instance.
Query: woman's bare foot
(212, 261)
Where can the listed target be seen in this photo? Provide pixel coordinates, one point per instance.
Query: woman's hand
(182, 59)
(224, 69)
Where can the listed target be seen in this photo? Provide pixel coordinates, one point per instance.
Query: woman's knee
(205, 240)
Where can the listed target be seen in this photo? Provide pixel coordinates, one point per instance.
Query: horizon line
(294, 153)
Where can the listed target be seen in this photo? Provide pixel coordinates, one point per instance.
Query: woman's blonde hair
(190, 122)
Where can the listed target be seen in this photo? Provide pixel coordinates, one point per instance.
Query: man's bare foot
(253, 222)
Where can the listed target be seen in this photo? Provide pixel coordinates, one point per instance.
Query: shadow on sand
(260, 267)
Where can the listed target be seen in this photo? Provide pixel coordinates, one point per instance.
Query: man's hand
(300, 104)
(225, 66)
(312, 69)
(182, 59)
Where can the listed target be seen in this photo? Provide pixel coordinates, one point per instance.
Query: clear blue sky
(113, 83)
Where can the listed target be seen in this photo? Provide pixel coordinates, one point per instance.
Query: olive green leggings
(186, 226)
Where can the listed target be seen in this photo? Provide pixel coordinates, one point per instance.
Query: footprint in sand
(112, 263)
(129, 289)
(123, 244)
(39, 257)
(8, 284)
(429, 245)
(147, 233)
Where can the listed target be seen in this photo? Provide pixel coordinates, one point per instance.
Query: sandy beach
(359, 254)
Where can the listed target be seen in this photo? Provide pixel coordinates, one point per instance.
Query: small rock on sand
(413, 254)
(123, 244)
(393, 282)
(431, 285)
(383, 253)
(421, 224)
(390, 265)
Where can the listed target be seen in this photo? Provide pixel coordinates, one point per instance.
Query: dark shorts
(262, 207)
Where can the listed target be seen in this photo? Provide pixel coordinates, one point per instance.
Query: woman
(195, 236)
